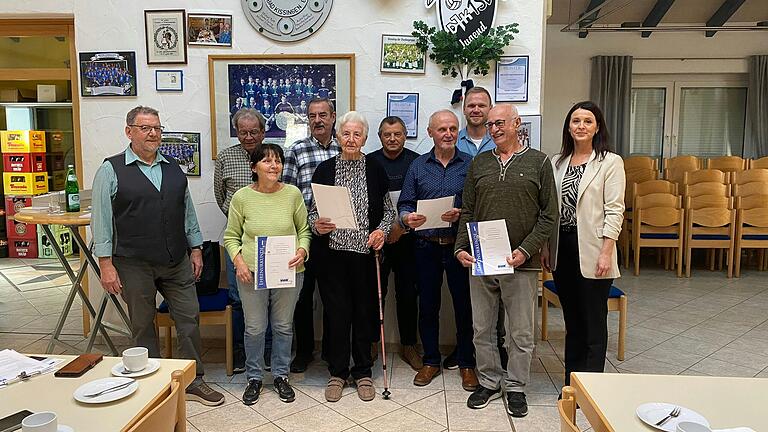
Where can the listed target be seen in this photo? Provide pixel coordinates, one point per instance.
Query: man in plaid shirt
(301, 159)
(233, 172)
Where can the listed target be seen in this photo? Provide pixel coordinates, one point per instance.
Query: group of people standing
(564, 210)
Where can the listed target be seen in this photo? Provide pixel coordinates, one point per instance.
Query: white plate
(64, 428)
(102, 384)
(152, 366)
(652, 413)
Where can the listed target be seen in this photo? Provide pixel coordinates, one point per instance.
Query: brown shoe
(426, 375)
(468, 379)
(334, 389)
(410, 355)
(365, 389)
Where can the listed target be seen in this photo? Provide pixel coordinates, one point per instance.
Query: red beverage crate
(20, 230)
(22, 248)
(24, 162)
(15, 203)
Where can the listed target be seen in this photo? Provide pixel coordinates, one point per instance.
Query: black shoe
(299, 364)
(516, 404)
(450, 362)
(238, 362)
(251, 395)
(284, 390)
(267, 361)
(481, 397)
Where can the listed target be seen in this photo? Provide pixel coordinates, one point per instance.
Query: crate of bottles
(63, 238)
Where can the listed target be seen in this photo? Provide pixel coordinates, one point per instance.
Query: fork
(109, 390)
(674, 413)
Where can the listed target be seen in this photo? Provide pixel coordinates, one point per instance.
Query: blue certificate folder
(272, 254)
(490, 247)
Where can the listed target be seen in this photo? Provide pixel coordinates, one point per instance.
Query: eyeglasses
(498, 123)
(146, 129)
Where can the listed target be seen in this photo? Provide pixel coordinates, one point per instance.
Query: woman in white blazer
(581, 253)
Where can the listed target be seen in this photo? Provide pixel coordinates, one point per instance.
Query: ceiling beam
(587, 20)
(655, 15)
(723, 14)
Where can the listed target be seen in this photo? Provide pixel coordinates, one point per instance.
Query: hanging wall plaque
(467, 19)
(287, 20)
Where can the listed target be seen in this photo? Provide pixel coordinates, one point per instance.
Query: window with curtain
(646, 133)
(712, 121)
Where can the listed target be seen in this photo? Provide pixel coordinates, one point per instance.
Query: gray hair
(130, 118)
(323, 100)
(353, 117)
(442, 111)
(248, 113)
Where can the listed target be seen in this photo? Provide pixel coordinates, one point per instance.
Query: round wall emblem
(287, 20)
(166, 38)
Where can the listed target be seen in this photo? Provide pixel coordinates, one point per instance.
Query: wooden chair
(625, 237)
(745, 203)
(617, 301)
(747, 189)
(727, 163)
(683, 163)
(653, 186)
(710, 224)
(567, 408)
(170, 414)
(749, 176)
(707, 188)
(640, 162)
(761, 163)
(751, 232)
(214, 310)
(658, 222)
(705, 176)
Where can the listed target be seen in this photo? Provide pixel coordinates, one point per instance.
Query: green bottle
(72, 190)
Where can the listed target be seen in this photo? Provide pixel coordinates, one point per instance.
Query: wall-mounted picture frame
(169, 80)
(165, 36)
(184, 147)
(209, 29)
(512, 79)
(405, 106)
(529, 131)
(399, 54)
(109, 73)
(280, 86)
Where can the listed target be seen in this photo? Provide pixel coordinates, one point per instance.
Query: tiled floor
(707, 324)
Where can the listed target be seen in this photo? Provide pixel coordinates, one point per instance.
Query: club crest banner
(467, 19)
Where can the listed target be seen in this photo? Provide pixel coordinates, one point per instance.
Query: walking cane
(385, 393)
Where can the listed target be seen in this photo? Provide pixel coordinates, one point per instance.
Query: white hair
(353, 117)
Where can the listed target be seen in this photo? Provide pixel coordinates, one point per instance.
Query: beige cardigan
(599, 210)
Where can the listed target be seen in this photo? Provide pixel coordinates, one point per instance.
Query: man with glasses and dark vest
(144, 223)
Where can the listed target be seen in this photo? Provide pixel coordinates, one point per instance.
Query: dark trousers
(399, 257)
(432, 260)
(348, 290)
(585, 310)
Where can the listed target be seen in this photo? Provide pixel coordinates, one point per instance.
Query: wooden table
(73, 221)
(609, 400)
(48, 393)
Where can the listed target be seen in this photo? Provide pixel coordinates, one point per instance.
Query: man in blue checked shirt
(144, 223)
(440, 173)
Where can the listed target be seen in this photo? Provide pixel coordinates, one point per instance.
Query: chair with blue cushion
(710, 223)
(751, 228)
(617, 301)
(214, 310)
(658, 222)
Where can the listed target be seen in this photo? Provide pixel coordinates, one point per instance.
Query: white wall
(568, 60)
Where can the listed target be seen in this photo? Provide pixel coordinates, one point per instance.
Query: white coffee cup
(692, 427)
(135, 359)
(40, 422)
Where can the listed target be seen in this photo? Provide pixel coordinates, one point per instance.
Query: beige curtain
(611, 89)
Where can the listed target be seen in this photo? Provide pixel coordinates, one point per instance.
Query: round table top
(81, 218)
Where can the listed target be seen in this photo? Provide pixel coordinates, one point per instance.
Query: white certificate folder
(272, 257)
(489, 241)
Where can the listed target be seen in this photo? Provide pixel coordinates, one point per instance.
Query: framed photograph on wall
(512, 79)
(169, 80)
(280, 86)
(185, 148)
(400, 54)
(405, 106)
(166, 35)
(209, 29)
(529, 131)
(110, 73)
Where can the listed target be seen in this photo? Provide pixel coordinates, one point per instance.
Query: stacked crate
(24, 175)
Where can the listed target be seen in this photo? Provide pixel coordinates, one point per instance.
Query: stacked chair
(676, 167)
(759, 163)
(750, 189)
(633, 175)
(728, 163)
(658, 222)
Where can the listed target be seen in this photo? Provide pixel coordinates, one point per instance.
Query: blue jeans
(277, 305)
(238, 321)
(432, 260)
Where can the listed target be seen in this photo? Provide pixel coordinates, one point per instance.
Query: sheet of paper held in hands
(433, 209)
(335, 203)
(272, 257)
(394, 196)
(489, 241)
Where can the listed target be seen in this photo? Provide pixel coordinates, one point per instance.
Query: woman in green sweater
(267, 208)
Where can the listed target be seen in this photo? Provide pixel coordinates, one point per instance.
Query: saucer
(652, 413)
(105, 383)
(152, 366)
(64, 428)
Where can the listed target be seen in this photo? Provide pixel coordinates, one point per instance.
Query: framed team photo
(184, 147)
(209, 29)
(529, 131)
(165, 34)
(280, 86)
(110, 73)
(400, 54)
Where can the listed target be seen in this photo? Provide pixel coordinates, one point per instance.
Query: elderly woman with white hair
(347, 272)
